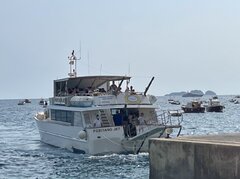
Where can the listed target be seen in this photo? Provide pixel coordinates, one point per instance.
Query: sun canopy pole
(120, 84)
(145, 92)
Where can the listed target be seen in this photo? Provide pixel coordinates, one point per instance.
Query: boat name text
(106, 99)
(107, 129)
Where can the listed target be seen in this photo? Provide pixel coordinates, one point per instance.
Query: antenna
(88, 63)
(80, 56)
(80, 50)
(101, 69)
(129, 69)
(128, 81)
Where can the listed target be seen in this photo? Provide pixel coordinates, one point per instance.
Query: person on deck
(141, 121)
(113, 86)
(97, 122)
(118, 119)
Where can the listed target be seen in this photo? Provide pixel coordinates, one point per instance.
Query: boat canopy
(85, 82)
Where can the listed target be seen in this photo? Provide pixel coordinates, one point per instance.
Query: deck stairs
(104, 118)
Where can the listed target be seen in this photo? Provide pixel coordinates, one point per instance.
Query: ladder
(105, 121)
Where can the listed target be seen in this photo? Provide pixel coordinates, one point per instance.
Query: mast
(80, 56)
(73, 65)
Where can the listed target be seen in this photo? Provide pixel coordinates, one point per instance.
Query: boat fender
(82, 135)
(169, 131)
(40, 116)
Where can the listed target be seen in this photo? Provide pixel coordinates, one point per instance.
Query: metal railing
(168, 118)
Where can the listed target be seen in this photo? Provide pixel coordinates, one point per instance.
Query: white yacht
(77, 102)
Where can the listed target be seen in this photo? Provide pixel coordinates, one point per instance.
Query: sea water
(23, 155)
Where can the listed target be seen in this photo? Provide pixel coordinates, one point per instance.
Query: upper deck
(88, 85)
(87, 91)
(98, 91)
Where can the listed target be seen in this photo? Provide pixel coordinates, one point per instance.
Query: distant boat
(41, 102)
(27, 101)
(192, 95)
(174, 102)
(21, 102)
(232, 100)
(175, 113)
(193, 107)
(236, 102)
(214, 105)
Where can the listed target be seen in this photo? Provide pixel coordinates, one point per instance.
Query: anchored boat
(91, 114)
(193, 107)
(214, 105)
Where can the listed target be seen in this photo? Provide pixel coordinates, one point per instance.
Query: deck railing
(166, 118)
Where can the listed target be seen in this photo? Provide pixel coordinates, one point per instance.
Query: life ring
(132, 99)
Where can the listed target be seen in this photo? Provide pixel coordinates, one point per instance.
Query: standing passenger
(97, 122)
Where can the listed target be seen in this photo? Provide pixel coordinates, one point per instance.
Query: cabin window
(115, 111)
(69, 117)
(53, 116)
(63, 116)
(78, 119)
(87, 120)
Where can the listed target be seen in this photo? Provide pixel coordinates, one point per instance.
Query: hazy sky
(185, 44)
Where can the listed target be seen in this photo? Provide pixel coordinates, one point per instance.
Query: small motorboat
(27, 101)
(41, 102)
(232, 100)
(174, 102)
(193, 107)
(21, 102)
(175, 113)
(236, 102)
(214, 105)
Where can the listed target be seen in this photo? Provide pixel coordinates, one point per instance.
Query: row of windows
(63, 116)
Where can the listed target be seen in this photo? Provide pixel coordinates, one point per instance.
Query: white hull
(99, 140)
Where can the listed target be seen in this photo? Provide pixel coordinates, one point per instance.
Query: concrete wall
(189, 159)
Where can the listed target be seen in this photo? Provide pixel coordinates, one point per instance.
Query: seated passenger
(132, 91)
(113, 87)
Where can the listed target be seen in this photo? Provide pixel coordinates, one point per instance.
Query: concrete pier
(197, 157)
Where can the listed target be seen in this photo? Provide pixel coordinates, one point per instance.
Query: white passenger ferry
(92, 115)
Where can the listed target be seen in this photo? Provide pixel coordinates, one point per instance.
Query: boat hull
(98, 141)
(215, 108)
(193, 110)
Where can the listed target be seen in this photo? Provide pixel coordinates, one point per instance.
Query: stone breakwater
(197, 157)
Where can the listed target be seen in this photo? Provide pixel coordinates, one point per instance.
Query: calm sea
(22, 155)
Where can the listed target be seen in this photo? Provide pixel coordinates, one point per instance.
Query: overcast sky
(185, 44)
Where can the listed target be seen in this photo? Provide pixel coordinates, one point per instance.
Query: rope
(141, 145)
